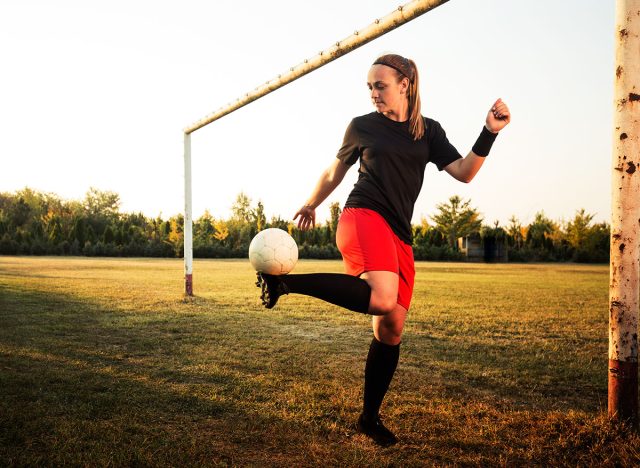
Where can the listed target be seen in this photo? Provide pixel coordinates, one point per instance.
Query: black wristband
(484, 142)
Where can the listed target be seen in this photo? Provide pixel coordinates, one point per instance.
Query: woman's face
(387, 94)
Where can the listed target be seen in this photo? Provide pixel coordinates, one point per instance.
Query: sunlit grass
(104, 362)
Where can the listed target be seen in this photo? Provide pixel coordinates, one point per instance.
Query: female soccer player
(393, 146)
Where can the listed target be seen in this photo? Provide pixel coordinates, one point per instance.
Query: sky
(97, 94)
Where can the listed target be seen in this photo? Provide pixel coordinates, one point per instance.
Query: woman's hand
(498, 117)
(329, 180)
(307, 217)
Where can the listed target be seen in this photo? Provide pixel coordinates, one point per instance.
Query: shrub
(75, 248)
(88, 249)
(64, 248)
(8, 246)
(321, 252)
(38, 248)
(436, 252)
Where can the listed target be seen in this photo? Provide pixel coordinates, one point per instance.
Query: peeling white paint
(625, 229)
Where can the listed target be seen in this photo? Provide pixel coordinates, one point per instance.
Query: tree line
(37, 223)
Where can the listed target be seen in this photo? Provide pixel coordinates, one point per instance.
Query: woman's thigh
(384, 291)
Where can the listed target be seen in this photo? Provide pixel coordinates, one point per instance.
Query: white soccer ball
(273, 251)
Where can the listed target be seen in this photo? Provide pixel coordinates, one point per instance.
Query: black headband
(408, 72)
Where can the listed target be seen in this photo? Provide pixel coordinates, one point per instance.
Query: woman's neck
(400, 114)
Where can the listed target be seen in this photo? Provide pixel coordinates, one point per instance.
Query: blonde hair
(406, 68)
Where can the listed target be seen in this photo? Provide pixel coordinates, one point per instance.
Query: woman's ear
(404, 85)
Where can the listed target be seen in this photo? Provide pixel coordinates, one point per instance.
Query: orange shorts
(367, 243)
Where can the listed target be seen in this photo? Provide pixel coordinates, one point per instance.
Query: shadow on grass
(526, 375)
(80, 384)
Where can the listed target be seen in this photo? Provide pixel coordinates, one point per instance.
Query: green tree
(35, 229)
(334, 209)
(54, 229)
(599, 242)
(221, 230)
(165, 229)
(204, 226)
(19, 212)
(260, 219)
(578, 229)
(79, 230)
(176, 236)
(101, 209)
(515, 232)
(102, 203)
(241, 209)
(456, 219)
(540, 232)
(590, 243)
(38, 204)
(118, 233)
(108, 236)
(90, 235)
(278, 222)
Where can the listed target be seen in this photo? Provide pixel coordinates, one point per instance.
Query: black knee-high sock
(378, 372)
(347, 291)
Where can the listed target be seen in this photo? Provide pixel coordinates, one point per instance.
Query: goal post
(188, 219)
(402, 15)
(624, 271)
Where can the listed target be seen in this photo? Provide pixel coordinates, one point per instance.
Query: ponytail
(416, 122)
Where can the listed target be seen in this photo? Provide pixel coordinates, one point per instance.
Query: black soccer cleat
(272, 288)
(376, 431)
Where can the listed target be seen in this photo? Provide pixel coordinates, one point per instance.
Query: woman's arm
(465, 169)
(329, 180)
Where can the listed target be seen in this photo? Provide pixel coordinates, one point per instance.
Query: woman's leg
(388, 328)
(375, 292)
(384, 352)
(382, 361)
(384, 291)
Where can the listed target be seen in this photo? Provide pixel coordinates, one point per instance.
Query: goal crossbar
(403, 14)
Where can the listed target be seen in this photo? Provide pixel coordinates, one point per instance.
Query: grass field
(104, 363)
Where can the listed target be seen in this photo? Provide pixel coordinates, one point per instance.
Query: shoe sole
(382, 442)
(264, 291)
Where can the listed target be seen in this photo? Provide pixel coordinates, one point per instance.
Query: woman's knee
(389, 334)
(382, 304)
(388, 328)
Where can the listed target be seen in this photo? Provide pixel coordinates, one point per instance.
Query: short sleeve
(442, 152)
(350, 150)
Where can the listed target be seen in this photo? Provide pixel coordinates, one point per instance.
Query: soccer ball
(273, 251)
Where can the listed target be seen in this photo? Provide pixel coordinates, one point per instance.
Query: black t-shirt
(392, 165)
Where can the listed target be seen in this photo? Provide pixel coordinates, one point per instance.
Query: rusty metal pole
(625, 218)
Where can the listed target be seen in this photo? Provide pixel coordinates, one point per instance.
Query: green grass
(104, 363)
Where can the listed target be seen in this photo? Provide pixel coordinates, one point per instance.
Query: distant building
(475, 250)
